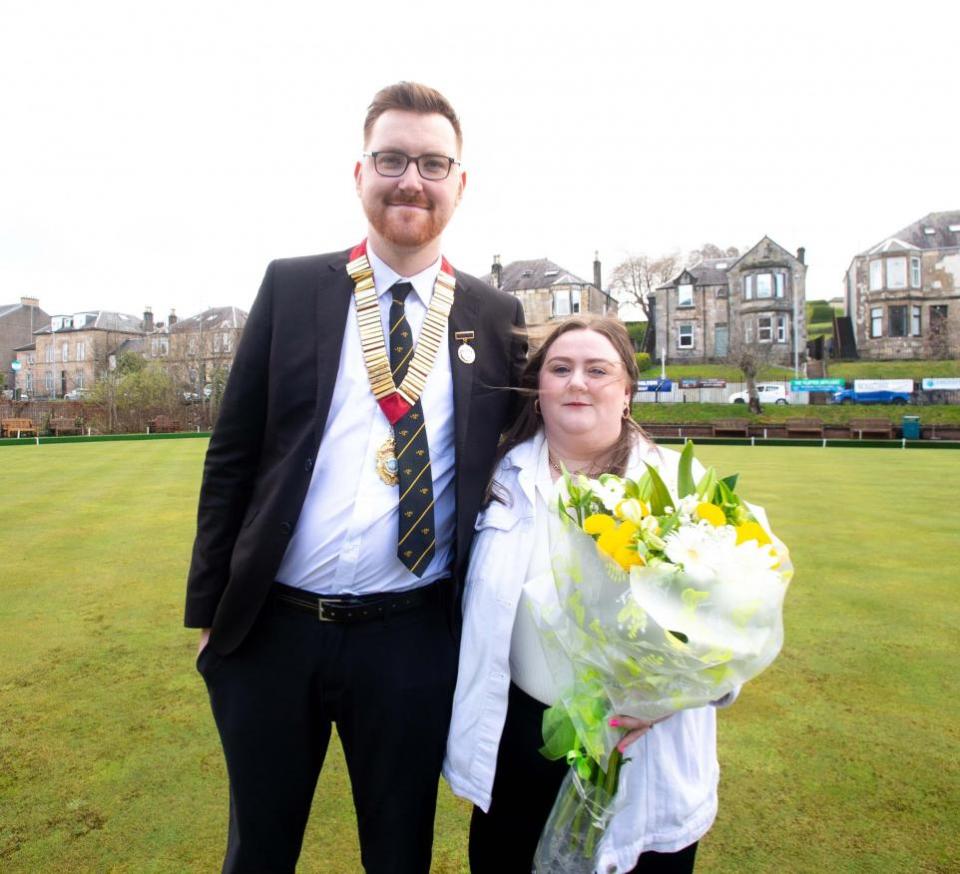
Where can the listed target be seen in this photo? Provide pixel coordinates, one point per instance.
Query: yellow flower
(752, 531)
(711, 513)
(632, 509)
(614, 538)
(627, 557)
(598, 523)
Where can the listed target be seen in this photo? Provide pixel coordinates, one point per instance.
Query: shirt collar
(384, 277)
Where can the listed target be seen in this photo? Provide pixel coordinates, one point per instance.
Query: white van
(768, 392)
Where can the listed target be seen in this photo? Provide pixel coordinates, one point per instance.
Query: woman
(576, 415)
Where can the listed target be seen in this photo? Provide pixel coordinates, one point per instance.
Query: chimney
(30, 302)
(172, 320)
(147, 320)
(596, 271)
(496, 272)
(801, 254)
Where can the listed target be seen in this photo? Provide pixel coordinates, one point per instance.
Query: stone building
(903, 294)
(548, 291)
(71, 352)
(18, 321)
(200, 349)
(715, 309)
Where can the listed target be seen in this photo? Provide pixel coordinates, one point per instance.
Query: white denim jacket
(669, 786)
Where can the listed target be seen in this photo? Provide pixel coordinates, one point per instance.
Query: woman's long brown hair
(529, 421)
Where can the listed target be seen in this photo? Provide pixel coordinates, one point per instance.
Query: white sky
(163, 153)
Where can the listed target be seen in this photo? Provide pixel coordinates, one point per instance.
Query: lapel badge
(465, 352)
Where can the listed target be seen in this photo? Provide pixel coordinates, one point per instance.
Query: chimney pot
(801, 254)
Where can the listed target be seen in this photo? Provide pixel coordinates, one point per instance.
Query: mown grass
(915, 370)
(841, 757)
(651, 413)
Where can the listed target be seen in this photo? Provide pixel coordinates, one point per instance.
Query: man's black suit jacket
(272, 418)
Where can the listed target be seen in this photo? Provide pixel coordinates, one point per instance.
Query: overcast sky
(163, 153)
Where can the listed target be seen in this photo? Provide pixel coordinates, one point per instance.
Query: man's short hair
(411, 97)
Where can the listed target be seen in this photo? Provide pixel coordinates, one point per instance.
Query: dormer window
(685, 294)
(549, 273)
(929, 231)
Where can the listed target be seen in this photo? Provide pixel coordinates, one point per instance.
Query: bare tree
(711, 250)
(636, 278)
(751, 359)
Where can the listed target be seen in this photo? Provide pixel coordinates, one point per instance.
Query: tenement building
(715, 310)
(903, 294)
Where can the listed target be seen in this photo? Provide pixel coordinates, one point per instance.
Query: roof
(101, 320)
(710, 271)
(933, 231)
(212, 319)
(539, 273)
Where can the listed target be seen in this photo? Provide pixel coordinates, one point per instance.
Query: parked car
(76, 394)
(768, 392)
(852, 396)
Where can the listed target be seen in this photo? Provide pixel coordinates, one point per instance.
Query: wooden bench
(17, 427)
(731, 428)
(872, 428)
(162, 425)
(804, 428)
(64, 425)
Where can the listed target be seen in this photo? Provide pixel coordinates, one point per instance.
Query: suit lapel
(463, 317)
(334, 291)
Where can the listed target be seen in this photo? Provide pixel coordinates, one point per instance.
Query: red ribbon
(393, 405)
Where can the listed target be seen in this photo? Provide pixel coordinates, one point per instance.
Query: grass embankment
(841, 757)
(850, 370)
(838, 414)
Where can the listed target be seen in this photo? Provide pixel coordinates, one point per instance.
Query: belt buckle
(323, 602)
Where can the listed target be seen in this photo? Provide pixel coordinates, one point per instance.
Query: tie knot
(399, 291)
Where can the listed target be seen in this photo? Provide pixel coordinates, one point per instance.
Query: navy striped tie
(416, 541)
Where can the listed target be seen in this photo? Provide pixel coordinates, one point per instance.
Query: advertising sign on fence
(944, 383)
(824, 385)
(694, 382)
(864, 385)
(654, 385)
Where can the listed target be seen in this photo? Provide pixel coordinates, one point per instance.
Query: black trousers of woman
(525, 786)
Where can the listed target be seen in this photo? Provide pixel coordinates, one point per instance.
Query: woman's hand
(636, 728)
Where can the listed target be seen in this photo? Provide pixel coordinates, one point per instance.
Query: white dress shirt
(345, 541)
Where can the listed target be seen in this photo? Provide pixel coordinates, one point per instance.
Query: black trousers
(387, 684)
(525, 786)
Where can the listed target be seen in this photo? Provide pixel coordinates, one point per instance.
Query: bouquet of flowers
(665, 595)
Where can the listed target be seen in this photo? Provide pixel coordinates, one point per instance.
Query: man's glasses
(431, 167)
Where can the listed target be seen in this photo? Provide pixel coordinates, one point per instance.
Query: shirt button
(309, 465)
(286, 527)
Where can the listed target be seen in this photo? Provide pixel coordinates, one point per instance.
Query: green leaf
(685, 484)
(731, 481)
(659, 493)
(707, 485)
(559, 735)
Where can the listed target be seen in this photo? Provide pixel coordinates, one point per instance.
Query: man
(340, 488)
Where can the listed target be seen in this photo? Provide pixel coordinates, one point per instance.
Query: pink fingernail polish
(614, 723)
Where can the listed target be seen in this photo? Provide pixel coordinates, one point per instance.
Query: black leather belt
(356, 608)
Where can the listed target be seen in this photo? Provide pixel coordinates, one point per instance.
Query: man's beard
(409, 229)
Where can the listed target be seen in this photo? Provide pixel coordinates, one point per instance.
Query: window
(749, 283)
(685, 337)
(64, 351)
(896, 272)
(876, 275)
(228, 342)
(48, 382)
(765, 329)
(748, 331)
(576, 300)
(32, 358)
(685, 295)
(780, 281)
(914, 272)
(81, 351)
(915, 321)
(48, 354)
(192, 344)
(218, 338)
(561, 307)
(897, 321)
(78, 380)
(160, 346)
(781, 329)
(29, 382)
(876, 321)
(764, 285)
(937, 312)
